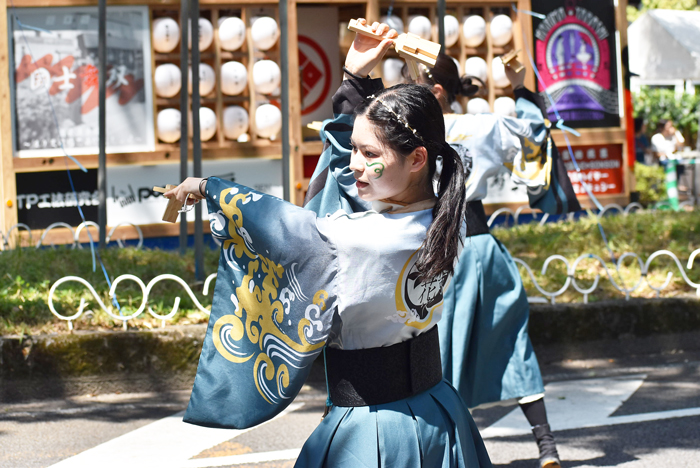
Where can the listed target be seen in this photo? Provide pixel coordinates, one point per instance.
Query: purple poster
(575, 53)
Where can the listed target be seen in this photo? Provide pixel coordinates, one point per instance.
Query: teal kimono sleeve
(558, 196)
(332, 185)
(488, 143)
(272, 307)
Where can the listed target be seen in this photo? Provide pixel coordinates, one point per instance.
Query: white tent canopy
(665, 45)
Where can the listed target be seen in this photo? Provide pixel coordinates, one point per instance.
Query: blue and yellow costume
(290, 283)
(485, 348)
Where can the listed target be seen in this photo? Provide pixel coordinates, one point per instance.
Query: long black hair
(406, 117)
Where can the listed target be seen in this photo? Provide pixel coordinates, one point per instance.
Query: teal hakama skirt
(484, 345)
(432, 429)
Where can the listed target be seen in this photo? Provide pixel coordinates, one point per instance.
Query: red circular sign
(326, 75)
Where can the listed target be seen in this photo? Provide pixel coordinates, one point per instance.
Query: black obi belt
(374, 376)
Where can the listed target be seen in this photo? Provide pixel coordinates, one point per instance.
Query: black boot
(549, 457)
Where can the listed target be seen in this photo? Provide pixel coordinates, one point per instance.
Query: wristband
(354, 76)
(200, 187)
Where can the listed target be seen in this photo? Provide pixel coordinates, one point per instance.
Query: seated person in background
(641, 142)
(665, 143)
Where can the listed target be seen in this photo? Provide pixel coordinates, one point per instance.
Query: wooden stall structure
(304, 144)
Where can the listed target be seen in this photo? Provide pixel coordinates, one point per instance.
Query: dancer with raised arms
(366, 286)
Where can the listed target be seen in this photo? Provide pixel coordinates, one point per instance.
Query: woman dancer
(486, 350)
(377, 279)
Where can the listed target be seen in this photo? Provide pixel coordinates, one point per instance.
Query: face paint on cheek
(377, 170)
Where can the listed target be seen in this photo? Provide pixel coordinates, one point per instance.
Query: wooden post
(8, 188)
(217, 71)
(372, 11)
(526, 24)
(102, 122)
(488, 16)
(621, 31)
(296, 158)
(184, 109)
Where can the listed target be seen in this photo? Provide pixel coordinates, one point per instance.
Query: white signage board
(130, 198)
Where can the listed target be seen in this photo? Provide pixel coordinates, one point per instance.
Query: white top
(380, 301)
(665, 146)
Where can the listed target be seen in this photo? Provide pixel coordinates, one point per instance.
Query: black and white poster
(56, 95)
(576, 55)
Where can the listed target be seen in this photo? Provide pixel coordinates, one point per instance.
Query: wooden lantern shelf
(220, 147)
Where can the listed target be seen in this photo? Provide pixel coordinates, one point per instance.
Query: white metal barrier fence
(551, 296)
(571, 281)
(75, 234)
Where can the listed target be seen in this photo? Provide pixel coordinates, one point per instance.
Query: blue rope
(329, 403)
(528, 12)
(390, 10)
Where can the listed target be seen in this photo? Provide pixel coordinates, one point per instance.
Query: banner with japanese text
(601, 168)
(576, 55)
(55, 80)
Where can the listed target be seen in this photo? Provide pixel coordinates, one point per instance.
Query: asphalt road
(636, 413)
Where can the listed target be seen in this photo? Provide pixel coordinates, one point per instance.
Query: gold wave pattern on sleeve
(259, 312)
(530, 165)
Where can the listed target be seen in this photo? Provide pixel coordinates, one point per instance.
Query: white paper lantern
(166, 35)
(264, 32)
(167, 78)
(231, 33)
(207, 124)
(420, 26)
(168, 124)
(206, 34)
(478, 106)
(266, 76)
(391, 71)
(474, 30)
(456, 107)
(501, 30)
(504, 106)
(394, 22)
(268, 121)
(207, 79)
(498, 73)
(235, 122)
(234, 78)
(451, 30)
(476, 66)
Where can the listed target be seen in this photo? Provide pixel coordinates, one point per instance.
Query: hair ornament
(427, 72)
(401, 120)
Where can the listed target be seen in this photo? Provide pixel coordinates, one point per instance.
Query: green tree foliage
(634, 13)
(650, 184)
(655, 104)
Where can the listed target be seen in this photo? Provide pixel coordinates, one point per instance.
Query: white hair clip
(398, 117)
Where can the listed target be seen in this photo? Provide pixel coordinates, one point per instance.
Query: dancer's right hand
(366, 52)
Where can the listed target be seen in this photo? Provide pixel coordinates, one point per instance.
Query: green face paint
(377, 170)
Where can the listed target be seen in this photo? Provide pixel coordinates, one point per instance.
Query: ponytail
(408, 116)
(442, 241)
(467, 86)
